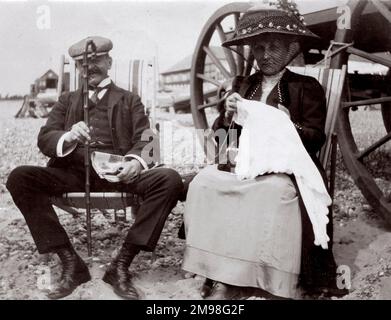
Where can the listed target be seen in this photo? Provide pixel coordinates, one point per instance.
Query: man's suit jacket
(126, 116)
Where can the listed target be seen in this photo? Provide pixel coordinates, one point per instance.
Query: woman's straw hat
(281, 17)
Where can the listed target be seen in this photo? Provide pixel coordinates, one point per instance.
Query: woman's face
(273, 52)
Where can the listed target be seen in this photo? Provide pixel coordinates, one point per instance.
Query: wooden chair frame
(333, 81)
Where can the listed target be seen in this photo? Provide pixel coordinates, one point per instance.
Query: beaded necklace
(252, 94)
(280, 101)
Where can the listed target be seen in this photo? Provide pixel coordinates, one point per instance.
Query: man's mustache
(94, 70)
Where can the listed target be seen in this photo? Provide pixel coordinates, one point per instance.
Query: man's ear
(79, 65)
(109, 61)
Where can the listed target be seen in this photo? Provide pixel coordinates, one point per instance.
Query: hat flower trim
(287, 6)
(288, 27)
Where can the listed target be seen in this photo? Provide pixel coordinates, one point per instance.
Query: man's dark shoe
(326, 292)
(74, 273)
(118, 276)
(121, 282)
(334, 292)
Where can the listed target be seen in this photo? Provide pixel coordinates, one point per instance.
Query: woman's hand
(231, 103)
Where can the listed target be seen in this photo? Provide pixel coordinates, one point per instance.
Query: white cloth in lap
(269, 143)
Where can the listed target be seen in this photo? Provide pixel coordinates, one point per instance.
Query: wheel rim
(386, 113)
(351, 154)
(215, 25)
(386, 107)
(354, 156)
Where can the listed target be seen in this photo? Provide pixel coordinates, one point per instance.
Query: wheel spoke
(365, 102)
(239, 49)
(217, 62)
(369, 56)
(373, 147)
(207, 79)
(236, 19)
(240, 59)
(208, 105)
(249, 64)
(227, 52)
(383, 9)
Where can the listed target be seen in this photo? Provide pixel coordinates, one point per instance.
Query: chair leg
(134, 210)
(89, 232)
(153, 257)
(104, 212)
(333, 164)
(70, 210)
(125, 212)
(119, 216)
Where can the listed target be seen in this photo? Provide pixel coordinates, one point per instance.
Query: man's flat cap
(103, 46)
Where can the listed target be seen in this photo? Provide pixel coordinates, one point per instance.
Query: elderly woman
(256, 233)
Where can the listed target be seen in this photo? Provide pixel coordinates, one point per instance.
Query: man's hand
(130, 171)
(231, 103)
(79, 132)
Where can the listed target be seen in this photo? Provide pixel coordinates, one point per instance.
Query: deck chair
(332, 81)
(72, 202)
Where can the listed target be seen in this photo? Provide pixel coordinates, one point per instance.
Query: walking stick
(91, 44)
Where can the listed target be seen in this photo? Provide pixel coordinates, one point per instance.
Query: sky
(31, 43)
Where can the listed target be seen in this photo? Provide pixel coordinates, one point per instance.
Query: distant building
(48, 80)
(177, 78)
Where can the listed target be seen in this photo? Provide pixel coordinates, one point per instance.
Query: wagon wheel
(355, 158)
(204, 83)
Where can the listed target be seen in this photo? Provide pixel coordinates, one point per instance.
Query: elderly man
(117, 121)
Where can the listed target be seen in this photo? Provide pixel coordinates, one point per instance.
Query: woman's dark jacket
(305, 99)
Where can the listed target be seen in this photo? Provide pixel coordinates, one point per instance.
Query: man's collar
(102, 88)
(105, 82)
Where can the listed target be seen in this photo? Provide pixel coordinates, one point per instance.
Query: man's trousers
(31, 188)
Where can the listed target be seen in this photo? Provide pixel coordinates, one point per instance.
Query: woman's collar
(274, 78)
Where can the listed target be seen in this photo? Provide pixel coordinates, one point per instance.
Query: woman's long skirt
(244, 233)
